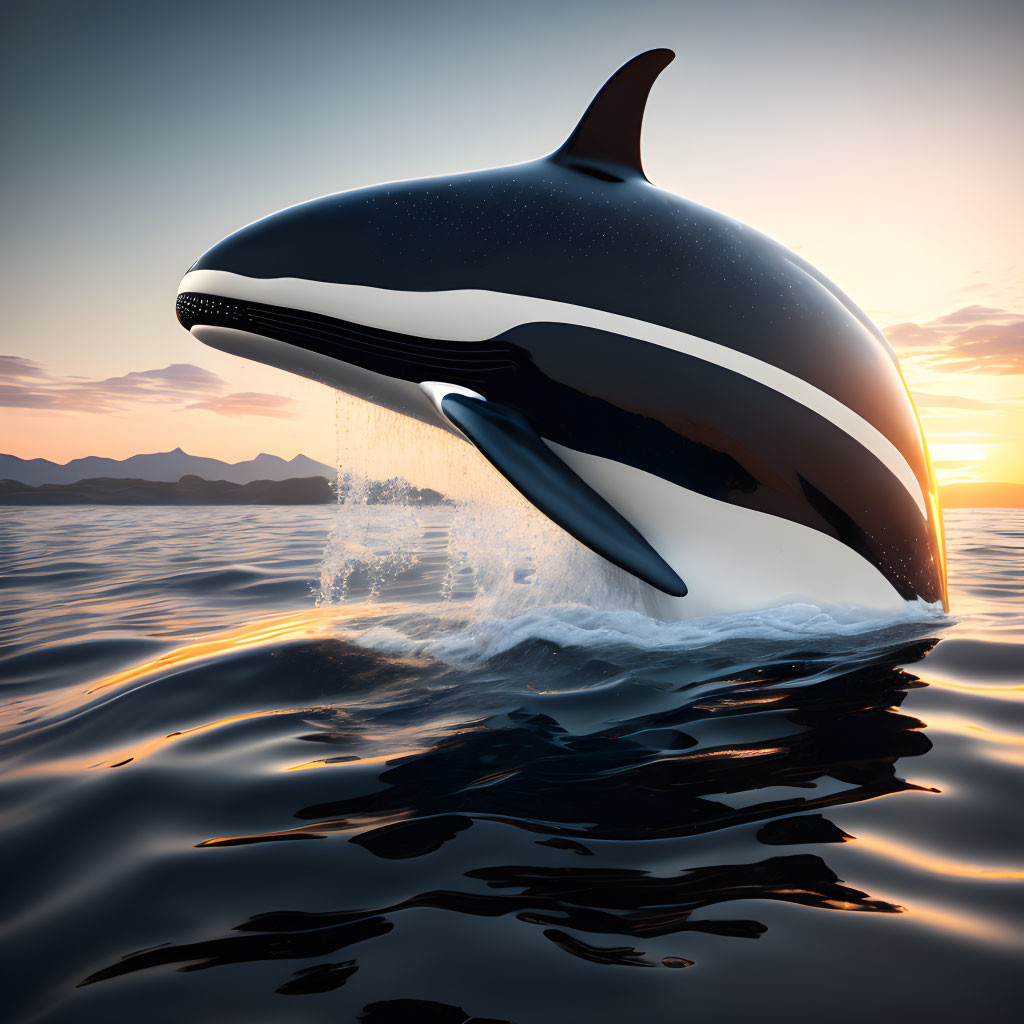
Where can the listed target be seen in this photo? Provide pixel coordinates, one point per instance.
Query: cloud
(14, 368)
(974, 315)
(972, 338)
(172, 384)
(248, 403)
(178, 377)
(996, 348)
(924, 400)
(908, 335)
(27, 385)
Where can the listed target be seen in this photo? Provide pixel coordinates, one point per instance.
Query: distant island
(193, 490)
(189, 490)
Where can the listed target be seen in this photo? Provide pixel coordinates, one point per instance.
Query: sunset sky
(881, 141)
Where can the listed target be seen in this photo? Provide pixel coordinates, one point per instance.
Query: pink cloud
(15, 368)
(248, 403)
(972, 338)
(908, 335)
(923, 400)
(27, 385)
(974, 315)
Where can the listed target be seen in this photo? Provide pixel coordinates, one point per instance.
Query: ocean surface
(387, 764)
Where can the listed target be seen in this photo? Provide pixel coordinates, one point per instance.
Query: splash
(602, 632)
(484, 547)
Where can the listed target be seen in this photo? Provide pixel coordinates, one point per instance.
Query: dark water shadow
(828, 728)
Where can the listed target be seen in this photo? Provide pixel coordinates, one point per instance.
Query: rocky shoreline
(194, 490)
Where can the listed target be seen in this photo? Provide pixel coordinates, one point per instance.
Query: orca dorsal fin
(607, 139)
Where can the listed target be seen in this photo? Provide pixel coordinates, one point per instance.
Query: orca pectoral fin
(511, 445)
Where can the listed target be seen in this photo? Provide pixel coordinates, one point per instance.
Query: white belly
(732, 559)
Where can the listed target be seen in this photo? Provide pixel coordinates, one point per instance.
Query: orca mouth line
(396, 355)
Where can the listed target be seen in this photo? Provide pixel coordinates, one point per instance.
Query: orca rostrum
(681, 394)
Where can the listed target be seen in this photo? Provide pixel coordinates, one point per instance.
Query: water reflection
(423, 1011)
(648, 778)
(769, 748)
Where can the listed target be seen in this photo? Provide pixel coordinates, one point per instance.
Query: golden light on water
(925, 860)
(281, 628)
(960, 924)
(277, 629)
(324, 762)
(136, 751)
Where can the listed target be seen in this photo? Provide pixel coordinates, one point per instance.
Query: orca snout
(194, 308)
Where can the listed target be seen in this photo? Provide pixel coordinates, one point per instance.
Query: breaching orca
(681, 394)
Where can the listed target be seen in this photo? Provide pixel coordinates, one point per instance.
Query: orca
(678, 392)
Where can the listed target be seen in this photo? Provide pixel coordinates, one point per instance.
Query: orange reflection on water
(280, 628)
(317, 622)
(740, 702)
(731, 752)
(964, 727)
(960, 924)
(302, 832)
(1007, 756)
(136, 752)
(927, 861)
(315, 830)
(381, 759)
(934, 677)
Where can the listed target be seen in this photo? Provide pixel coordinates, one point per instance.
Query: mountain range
(168, 467)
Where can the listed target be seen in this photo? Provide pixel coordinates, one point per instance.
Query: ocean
(392, 764)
